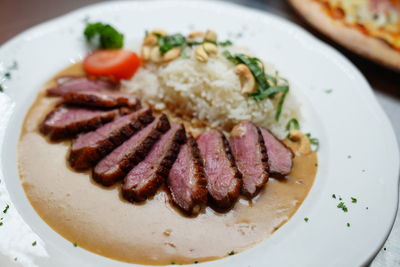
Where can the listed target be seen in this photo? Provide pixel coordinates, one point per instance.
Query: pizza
(370, 28)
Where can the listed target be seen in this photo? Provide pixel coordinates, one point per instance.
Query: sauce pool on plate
(100, 220)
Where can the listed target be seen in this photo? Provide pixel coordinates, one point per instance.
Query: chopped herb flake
(172, 263)
(34, 243)
(225, 43)
(333, 196)
(314, 141)
(7, 75)
(342, 206)
(1, 223)
(168, 42)
(306, 219)
(292, 124)
(231, 253)
(366, 208)
(103, 36)
(349, 156)
(348, 224)
(316, 164)
(75, 244)
(353, 200)
(195, 262)
(340, 198)
(1, 88)
(328, 91)
(6, 209)
(266, 85)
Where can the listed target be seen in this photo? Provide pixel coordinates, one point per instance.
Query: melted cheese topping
(377, 18)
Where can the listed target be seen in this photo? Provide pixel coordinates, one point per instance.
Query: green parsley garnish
(314, 141)
(328, 91)
(342, 206)
(225, 43)
(231, 253)
(7, 75)
(316, 164)
(173, 263)
(6, 209)
(333, 196)
(306, 219)
(266, 84)
(177, 40)
(168, 42)
(75, 244)
(34, 243)
(1, 88)
(195, 262)
(103, 36)
(353, 200)
(1, 223)
(349, 156)
(366, 208)
(348, 224)
(292, 124)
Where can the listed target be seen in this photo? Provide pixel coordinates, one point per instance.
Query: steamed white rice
(208, 92)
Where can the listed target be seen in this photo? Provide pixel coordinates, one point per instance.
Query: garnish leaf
(6, 208)
(293, 123)
(168, 42)
(103, 36)
(225, 43)
(342, 206)
(314, 141)
(263, 81)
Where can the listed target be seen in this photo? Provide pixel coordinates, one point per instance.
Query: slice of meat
(79, 84)
(120, 161)
(90, 147)
(102, 99)
(249, 151)
(146, 177)
(279, 155)
(64, 122)
(186, 180)
(223, 177)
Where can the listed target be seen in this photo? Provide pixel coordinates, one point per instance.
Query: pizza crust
(370, 47)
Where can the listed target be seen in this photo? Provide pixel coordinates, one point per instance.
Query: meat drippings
(99, 220)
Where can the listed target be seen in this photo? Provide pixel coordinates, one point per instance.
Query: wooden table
(18, 15)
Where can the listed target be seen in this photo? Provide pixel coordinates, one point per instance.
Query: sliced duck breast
(249, 151)
(280, 157)
(120, 161)
(90, 147)
(101, 99)
(145, 178)
(223, 177)
(77, 84)
(186, 180)
(65, 122)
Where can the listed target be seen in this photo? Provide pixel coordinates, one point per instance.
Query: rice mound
(208, 92)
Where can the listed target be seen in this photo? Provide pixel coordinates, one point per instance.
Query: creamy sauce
(99, 220)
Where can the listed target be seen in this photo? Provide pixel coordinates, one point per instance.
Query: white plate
(347, 121)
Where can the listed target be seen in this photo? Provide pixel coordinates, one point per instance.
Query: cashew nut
(171, 54)
(305, 145)
(201, 54)
(210, 36)
(145, 52)
(196, 34)
(210, 48)
(160, 32)
(247, 80)
(155, 54)
(150, 40)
